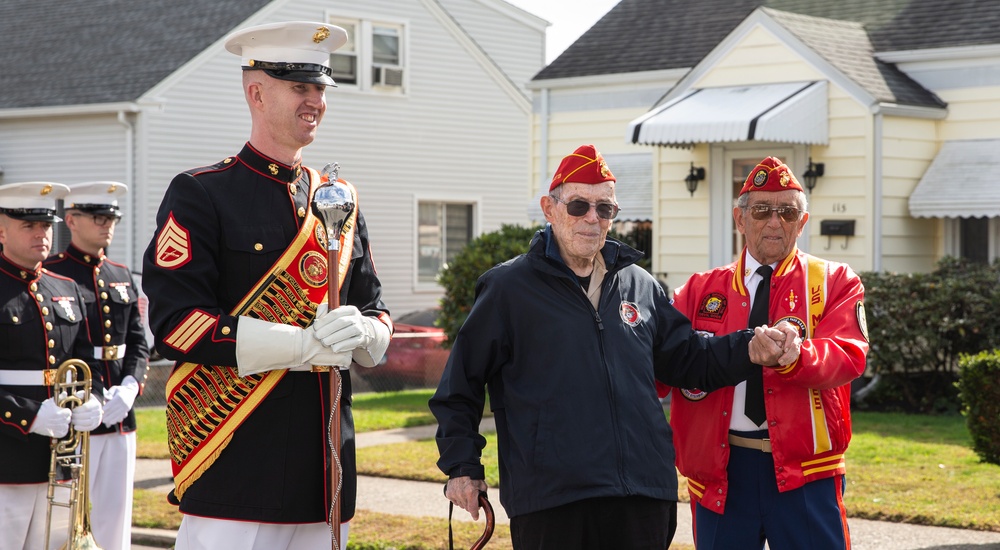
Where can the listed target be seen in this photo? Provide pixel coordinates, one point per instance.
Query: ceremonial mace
(333, 203)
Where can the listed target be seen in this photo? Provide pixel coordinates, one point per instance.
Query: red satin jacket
(807, 402)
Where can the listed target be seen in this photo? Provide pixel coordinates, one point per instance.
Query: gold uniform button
(15, 319)
(48, 326)
(24, 422)
(104, 295)
(100, 283)
(226, 330)
(292, 188)
(107, 338)
(6, 414)
(302, 212)
(33, 287)
(52, 359)
(106, 309)
(45, 311)
(107, 323)
(258, 247)
(39, 297)
(97, 271)
(52, 344)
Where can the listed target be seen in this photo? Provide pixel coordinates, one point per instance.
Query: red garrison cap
(771, 174)
(585, 165)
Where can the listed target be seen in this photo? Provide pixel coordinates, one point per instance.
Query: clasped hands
(774, 346)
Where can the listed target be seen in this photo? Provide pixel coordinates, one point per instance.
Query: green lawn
(909, 468)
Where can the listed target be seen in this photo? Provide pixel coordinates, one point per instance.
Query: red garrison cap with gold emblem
(585, 165)
(771, 174)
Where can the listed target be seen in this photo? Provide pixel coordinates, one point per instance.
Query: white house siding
(455, 135)
(67, 150)
(513, 44)
(908, 244)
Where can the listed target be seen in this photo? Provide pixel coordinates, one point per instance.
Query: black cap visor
(109, 210)
(309, 73)
(32, 214)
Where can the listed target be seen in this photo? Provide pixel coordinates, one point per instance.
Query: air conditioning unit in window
(387, 76)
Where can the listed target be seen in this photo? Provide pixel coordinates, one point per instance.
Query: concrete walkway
(422, 499)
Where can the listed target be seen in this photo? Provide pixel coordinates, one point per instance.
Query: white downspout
(543, 152)
(877, 202)
(132, 213)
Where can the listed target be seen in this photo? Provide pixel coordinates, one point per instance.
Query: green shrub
(459, 277)
(920, 324)
(979, 389)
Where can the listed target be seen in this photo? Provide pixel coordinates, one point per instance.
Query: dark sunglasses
(763, 212)
(579, 208)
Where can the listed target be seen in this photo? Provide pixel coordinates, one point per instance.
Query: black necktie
(753, 408)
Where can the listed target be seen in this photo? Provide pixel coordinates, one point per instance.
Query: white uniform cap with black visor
(32, 201)
(96, 197)
(298, 51)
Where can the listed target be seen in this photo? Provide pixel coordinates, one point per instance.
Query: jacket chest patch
(694, 395)
(629, 312)
(713, 306)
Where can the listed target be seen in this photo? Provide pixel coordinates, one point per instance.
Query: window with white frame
(373, 58)
(443, 230)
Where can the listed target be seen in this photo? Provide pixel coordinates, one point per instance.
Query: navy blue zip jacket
(571, 387)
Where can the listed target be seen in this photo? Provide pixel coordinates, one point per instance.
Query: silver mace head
(333, 203)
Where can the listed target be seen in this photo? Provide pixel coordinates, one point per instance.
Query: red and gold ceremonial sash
(207, 403)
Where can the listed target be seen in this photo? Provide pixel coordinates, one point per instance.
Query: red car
(414, 358)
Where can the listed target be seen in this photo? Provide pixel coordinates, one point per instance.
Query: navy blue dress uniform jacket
(240, 215)
(42, 324)
(113, 315)
(571, 387)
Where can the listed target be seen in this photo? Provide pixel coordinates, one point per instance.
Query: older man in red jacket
(765, 459)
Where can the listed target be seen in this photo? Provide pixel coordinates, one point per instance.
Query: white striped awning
(789, 112)
(963, 181)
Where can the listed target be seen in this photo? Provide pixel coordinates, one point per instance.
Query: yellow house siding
(908, 147)
(973, 113)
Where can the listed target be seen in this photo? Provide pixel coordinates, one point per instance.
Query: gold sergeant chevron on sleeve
(187, 334)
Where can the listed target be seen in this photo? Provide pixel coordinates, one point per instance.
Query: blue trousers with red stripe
(812, 516)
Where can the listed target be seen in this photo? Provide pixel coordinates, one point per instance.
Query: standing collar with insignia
(18, 272)
(83, 257)
(269, 167)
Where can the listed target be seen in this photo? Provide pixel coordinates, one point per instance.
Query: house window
(373, 58)
(975, 239)
(443, 230)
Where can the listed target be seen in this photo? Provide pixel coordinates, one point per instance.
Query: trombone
(71, 452)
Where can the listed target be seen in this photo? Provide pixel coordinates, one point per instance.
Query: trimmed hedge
(459, 277)
(920, 324)
(979, 388)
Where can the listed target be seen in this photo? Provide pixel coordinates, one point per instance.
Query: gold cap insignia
(251, 63)
(273, 168)
(46, 190)
(322, 34)
(112, 188)
(604, 169)
(785, 178)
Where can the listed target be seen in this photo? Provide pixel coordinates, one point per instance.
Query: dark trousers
(620, 523)
(812, 516)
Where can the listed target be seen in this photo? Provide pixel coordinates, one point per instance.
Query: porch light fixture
(814, 171)
(693, 177)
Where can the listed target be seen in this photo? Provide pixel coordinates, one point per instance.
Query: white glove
(346, 329)
(119, 400)
(87, 416)
(51, 419)
(262, 346)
